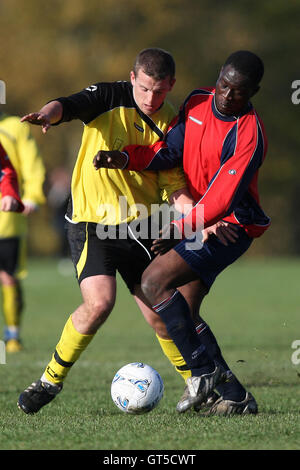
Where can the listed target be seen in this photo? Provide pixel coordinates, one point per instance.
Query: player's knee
(151, 285)
(98, 310)
(7, 279)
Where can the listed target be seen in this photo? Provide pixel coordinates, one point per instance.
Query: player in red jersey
(10, 198)
(221, 142)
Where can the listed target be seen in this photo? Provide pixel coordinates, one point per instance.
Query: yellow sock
(171, 351)
(11, 300)
(70, 346)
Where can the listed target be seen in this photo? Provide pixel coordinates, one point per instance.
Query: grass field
(254, 311)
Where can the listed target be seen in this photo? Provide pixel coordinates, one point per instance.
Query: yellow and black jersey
(112, 120)
(24, 155)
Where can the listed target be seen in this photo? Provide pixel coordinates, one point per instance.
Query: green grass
(254, 311)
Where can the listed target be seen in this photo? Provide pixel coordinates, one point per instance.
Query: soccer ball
(137, 388)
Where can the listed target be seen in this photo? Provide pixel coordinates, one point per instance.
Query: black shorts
(9, 254)
(125, 252)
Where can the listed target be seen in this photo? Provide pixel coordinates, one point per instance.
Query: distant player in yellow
(25, 158)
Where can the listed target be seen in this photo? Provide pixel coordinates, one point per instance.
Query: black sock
(232, 389)
(175, 313)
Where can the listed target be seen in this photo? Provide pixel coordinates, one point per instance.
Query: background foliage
(55, 48)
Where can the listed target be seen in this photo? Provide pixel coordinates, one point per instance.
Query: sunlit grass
(254, 311)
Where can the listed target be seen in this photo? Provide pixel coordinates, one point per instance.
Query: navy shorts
(207, 260)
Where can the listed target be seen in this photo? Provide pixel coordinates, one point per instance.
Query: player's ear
(220, 73)
(132, 77)
(172, 83)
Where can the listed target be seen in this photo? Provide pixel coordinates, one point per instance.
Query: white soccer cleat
(229, 407)
(199, 388)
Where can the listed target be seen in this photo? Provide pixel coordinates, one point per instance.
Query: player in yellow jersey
(104, 205)
(24, 156)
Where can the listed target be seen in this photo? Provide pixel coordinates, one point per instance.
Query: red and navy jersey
(8, 179)
(221, 157)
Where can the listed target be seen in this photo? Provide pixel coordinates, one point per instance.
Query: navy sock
(232, 389)
(175, 313)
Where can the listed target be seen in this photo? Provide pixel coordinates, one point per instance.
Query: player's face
(233, 91)
(149, 94)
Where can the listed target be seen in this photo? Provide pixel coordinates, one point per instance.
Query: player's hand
(225, 232)
(29, 207)
(9, 204)
(170, 236)
(39, 119)
(113, 159)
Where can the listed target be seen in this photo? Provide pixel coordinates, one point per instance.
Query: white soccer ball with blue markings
(137, 388)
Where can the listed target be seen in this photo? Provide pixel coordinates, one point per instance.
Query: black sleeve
(88, 103)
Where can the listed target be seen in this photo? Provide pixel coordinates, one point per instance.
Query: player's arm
(231, 181)
(224, 231)
(84, 105)
(48, 115)
(171, 235)
(182, 200)
(10, 200)
(162, 155)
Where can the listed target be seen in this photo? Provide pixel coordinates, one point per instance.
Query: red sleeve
(8, 179)
(161, 155)
(141, 156)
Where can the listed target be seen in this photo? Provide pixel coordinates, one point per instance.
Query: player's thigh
(135, 257)
(91, 255)
(169, 271)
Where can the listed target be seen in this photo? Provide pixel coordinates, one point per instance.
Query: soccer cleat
(38, 394)
(183, 399)
(228, 407)
(206, 405)
(13, 345)
(211, 399)
(199, 388)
